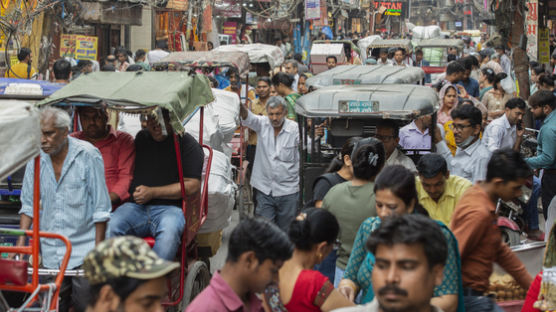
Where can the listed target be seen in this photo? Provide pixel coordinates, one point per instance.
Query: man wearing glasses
(387, 132)
(471, 158)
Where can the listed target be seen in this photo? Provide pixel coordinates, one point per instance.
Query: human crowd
(381, 232)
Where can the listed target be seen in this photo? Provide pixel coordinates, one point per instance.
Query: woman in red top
(314, 234)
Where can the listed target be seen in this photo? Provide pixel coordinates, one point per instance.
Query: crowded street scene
(285, 155)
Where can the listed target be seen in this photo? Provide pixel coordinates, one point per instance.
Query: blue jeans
(328, 266)
(480, 304)
(530, 211)
(164, 223)
(278, 209)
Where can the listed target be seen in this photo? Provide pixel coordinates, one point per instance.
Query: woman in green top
(353, 201)
(283, 82)
(486, 81)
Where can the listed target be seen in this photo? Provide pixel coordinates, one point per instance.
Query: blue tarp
(47, 87)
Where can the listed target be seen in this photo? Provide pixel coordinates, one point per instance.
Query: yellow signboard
(79, 47)
(544, 46)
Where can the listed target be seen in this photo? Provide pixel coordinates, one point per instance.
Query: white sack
(226, 106)
(212, 134)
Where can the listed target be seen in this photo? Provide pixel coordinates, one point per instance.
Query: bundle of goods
(547, 295)
(505, 288)
(226, 107)
(425, 32)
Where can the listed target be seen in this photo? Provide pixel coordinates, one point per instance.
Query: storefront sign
(79, 47)
(323, 19)
(552, 9)
(544, 46)
(393, 8)
(67, 45)
(227, 8)
(312, 9)
(531, 22)
(230, 29)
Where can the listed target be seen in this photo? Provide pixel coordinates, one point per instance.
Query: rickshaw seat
(13, 272)
(149, 240)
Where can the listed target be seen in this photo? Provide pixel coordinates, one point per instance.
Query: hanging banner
(67, 45)
(230, 29)
(531, 22)
(312, 9)
(86, 47)
(544, 46)
(323, 19)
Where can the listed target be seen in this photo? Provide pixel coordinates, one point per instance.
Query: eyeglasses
(458, 127)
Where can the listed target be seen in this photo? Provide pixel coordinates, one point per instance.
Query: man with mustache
(410, 254)
(117, 149)
(155, 207)
(275, 176)
(74, 201)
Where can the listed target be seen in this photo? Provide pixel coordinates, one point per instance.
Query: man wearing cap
(126, 275)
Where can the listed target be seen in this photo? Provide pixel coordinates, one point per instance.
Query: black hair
(282, 78)
(542, 98)
(467, 62)
(547, 79)
(451, 58)
(489, 74)
(418, 51)
(62, 69)
(412, 229)
(337, 163)
(383, 50)
(508, 165)
(139, 53)
(454, 68)
(298, 57)
(213, 81)
(122, 286)
(400, 181)
(533, 64)
(332, 57)
(264, 79)
(108, 68)
(261, 236)
(134, 68)
(318, 226)
(23, 54)
(400, 49)
(497, 78)
(84, 63)
(391, 124)
(430, 165)
(367, 158)
(539, 69)
(162, 44)
(121, 51)
(303, 76)
(516, 102)
(468, 112)
(232, 71)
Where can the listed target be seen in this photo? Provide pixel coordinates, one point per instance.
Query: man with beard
(155, 207)
(471, 158)
(543, 104)
(275, 176)
(74, 201)
(117, 149)
(410, 254)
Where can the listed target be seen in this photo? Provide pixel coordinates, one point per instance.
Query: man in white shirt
(383, 57)
(275, 176)
(158, 53)
(472, 156)
(503, 132)
(399, 57)
(387, 131)
(292, 69)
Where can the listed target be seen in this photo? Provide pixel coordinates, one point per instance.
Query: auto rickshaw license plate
(354, 106)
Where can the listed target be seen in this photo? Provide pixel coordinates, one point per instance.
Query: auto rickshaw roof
(237, 59)
(391, 43)
(381, 101)
(366, 74)
(353, 45)
(179, 92)
(440, 43)
(258, 52)
(25, 89)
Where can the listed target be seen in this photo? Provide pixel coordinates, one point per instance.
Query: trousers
(278, 209)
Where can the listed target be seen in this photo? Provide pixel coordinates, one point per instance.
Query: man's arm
(493, 137)
(143, 194)
(98, 192)
(126, 162)
(511, 264)
(518, 139)
(249, 119)
(468, 227)
(100, 232)
(547, 157)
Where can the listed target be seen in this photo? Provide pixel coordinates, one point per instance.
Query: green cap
(125, 256)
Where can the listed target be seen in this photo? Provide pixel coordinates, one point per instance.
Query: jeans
(338, 276)
(480, 304)
(328, 266)
(164, 223)
(548, 191)
(278, 209)
(75, 292)
(530, 211)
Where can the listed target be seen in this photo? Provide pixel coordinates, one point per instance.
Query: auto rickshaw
(182, 94)
(354, 110)
(373, 49)
(365, 75)
(262, 57)
(345, 51)
(435, 51)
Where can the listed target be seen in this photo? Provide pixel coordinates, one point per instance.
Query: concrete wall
(141, 36)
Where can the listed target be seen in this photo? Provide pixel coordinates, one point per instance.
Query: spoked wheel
(196, 280)
(510, 236)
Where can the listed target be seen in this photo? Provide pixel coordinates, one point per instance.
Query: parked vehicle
(435, 51)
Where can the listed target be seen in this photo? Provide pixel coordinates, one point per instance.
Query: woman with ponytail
(353, 201)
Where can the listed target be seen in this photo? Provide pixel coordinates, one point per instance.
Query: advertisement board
(393, 8)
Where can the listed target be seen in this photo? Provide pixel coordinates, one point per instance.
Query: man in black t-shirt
(155, 204)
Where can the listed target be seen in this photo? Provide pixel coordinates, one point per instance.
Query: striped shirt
(70, 206)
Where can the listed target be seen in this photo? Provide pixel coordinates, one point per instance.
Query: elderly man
(292, 69)
(74, 201)
(438, 190)
(155, 205)
(117, 149)
(387, 131)
(275, 175)
(410, 256)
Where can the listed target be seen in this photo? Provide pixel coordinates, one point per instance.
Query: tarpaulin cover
(47, 87)
(238, 59)
(178, 92)
(21, 135)
(258, 53)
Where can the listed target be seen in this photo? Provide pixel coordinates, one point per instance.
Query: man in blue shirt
(74, 201)
(471, 85)
(421, 62)
(542, 105)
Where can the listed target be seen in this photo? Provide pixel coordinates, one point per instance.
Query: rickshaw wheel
(196, 280)
(510, 237)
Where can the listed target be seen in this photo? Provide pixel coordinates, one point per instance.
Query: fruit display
(505, 288)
